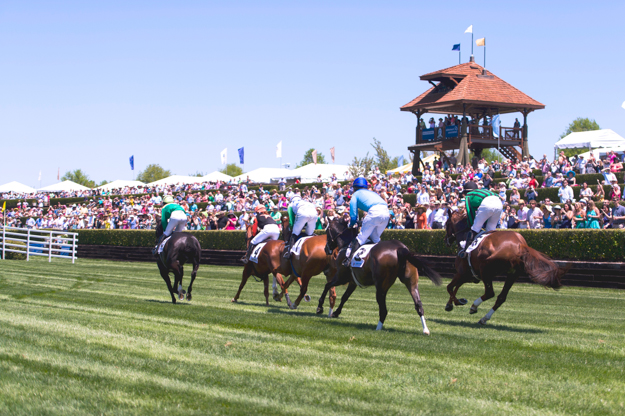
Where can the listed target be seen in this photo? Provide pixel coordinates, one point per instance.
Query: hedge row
(583, 245)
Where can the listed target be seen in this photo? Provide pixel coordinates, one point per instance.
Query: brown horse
(271, 261)
(387, 261)
(500, 252)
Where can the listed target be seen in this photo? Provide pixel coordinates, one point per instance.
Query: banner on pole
(279, 149)
(132, 162)
(332, 154)
(224, 156)
(480, 42)
(314, 156)
(469, 29)
(456, 47)
(241, 156)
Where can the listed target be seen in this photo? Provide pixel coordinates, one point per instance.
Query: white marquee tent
(264, 175)
(17, 188)
(65, 186)
(177, 179)
(217, 176)
(311, 172)
(591, 139)
(120, 183)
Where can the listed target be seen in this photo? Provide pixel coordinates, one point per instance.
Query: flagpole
(485, 54)
(471, 41)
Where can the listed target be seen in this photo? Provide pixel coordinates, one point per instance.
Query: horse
(387, 261)
(271, 261)
(181, 248)
(500, 252)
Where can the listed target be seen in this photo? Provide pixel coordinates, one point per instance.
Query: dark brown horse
(387, 261)
(181, 248)
(271, 261)
(500, 252)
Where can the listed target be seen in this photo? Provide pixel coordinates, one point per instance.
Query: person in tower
(173, 219)
(483, 210)
(304, 219)
(268, 230)
(375, 221)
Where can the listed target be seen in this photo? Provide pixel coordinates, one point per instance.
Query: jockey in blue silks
(375, 221)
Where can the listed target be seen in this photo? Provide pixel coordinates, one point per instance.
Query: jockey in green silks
(484, 209)
(173, 219)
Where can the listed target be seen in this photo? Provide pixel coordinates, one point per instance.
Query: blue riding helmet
(360, 183)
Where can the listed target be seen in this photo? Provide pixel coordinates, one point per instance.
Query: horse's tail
(423, 266)
(541, 269)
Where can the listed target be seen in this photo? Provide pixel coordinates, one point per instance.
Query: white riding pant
(269, 232)
(374, 224)
(306, 216)
(488, 214)
(177, 222)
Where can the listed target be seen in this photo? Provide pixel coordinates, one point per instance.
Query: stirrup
(462, 254)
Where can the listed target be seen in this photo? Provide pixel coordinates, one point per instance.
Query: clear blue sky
(86, 84)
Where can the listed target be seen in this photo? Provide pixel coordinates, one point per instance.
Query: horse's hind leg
(266, 291)
(348, 292)
(380, 296)
(501, 298)
(488, 293)
(165, 275)
(247, 272)
(193, 274)
(412, 284)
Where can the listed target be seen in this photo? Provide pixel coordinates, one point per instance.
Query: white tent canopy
(591, 139)
(216, 176)
(311, 172)
(177, 179)
(65, 186)
(264, 175)
(603, 151)
(120, 183)
(408, 168)
(16, 187)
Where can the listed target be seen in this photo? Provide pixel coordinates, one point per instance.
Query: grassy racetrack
(102, 337)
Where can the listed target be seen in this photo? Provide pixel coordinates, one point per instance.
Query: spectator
(547, 215)
(579, 215)
(534, 216)
(522, 215)
(567, 216)
(565, 192)
(592, 216)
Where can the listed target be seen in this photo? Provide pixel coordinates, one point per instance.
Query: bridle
(454, 232)
(328, 249)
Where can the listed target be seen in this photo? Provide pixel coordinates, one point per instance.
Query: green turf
(101, 337)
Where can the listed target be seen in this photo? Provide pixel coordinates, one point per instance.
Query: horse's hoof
(306, 298)
(233, 300)
(189, 297)
(482, 321)
(426, 332)
(462, 301)
(449, 307)
(379, 327)
(472, 310)
(319, 310)
(277, 297)
(334, 315)
(292, 306)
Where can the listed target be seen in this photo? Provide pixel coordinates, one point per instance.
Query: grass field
(101, 337)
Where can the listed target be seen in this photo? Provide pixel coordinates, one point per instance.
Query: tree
(308, 159)
(198, 174)
(382, 159)
(232, 169)
(490, 154)
(79, 177)
(361, 166)
(153, 172)
(104, 182)
(579, 124)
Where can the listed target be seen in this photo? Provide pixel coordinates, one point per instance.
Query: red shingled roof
(473, 88)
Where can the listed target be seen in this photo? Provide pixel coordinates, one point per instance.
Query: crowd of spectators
(229, 206)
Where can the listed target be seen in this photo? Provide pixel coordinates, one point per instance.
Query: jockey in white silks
(305, 220)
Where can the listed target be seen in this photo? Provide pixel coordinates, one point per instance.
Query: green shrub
(16, 256)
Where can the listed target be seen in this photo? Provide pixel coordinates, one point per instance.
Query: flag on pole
(469, 29)
(495, 122)
(314, 156)
(279, 149)
(456, 47)
(332, 154)
(58, 175)
(132, 162)
(400, 161)
(480, 42)
(39, 176)
(4, 206)
(241, 156)
(224, 156)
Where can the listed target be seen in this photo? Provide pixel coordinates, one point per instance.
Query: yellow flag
(480, 42)
(4, 206)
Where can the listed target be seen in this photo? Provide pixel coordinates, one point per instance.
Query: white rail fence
(42, 243)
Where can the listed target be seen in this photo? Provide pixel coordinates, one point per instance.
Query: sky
(85, 85)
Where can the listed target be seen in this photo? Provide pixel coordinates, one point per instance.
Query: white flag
(314, 156)
(39, 176)
(279, 149)
(224, 156)
(469, 29)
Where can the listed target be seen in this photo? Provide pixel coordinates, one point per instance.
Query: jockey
(173, 219)
(268, 227)
(305, 215)
(483, 210)
(375, 221)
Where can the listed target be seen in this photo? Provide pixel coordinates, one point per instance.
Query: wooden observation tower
(468, 90)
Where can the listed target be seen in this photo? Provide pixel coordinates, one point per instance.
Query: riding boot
(289, 245)
(354, 246)
(470, 237)
(246, 257)
(158, 243)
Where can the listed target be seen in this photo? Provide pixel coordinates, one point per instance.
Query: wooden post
(525, 145)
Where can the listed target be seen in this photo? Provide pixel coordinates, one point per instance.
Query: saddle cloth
(162, 246)
(256, 252)
(361, 255)
(297, 247)
(476, 242)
